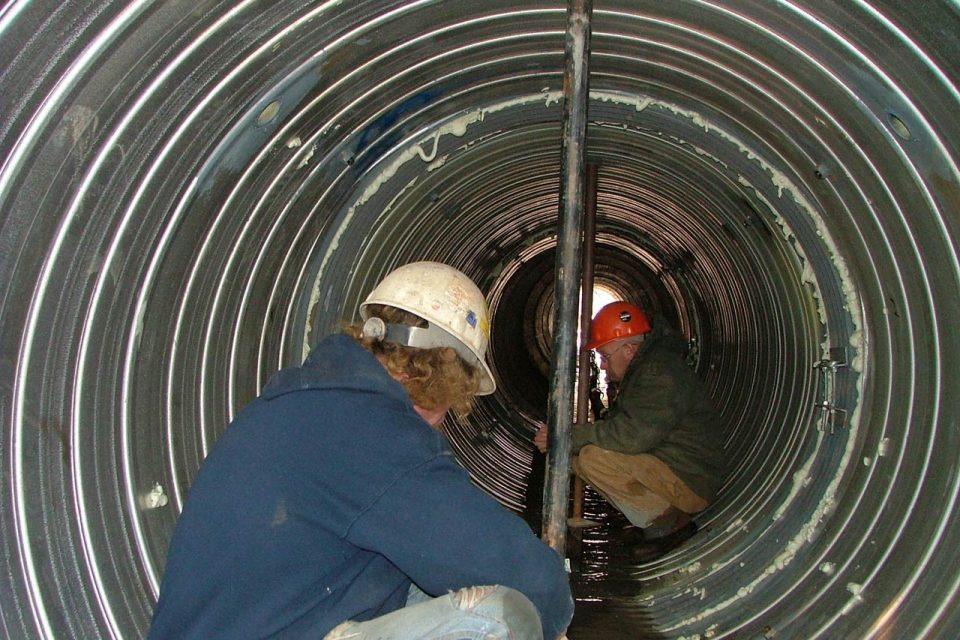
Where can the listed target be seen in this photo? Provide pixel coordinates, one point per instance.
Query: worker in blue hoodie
(333, 507)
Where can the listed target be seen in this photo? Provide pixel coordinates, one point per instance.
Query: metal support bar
(586, 315)
(567, 274)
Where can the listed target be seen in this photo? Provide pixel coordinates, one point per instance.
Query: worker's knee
(588, 453)
(589, 458)
(510, 612)
(520, 615)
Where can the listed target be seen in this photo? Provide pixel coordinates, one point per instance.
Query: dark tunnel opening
(191, 197)
(522, 335)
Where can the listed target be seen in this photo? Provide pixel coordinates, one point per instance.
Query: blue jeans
(473, 613)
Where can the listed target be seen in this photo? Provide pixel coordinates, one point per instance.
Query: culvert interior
(192, 193)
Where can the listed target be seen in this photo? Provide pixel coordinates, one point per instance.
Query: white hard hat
(448, 300)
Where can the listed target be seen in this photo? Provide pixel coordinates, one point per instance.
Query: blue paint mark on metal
(381, 125)
(248, 136)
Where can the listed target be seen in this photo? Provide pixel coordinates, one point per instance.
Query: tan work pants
(640, 485)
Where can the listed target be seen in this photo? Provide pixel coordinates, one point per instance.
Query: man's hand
(540, 438)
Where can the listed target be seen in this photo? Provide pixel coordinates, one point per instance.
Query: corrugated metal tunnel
(192, 192)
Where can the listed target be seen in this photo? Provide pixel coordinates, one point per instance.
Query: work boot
(653, 548)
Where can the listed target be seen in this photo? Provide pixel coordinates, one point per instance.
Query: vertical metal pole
(567, 274)
(586, 315)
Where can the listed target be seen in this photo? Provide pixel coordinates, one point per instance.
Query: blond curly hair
(434, 377)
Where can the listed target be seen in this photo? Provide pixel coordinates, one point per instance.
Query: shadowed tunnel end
(191, 196)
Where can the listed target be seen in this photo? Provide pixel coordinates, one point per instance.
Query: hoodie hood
(337, 362)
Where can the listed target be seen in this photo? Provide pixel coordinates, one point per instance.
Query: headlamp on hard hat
(429, 337)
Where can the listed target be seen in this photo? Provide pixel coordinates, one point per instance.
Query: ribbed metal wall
(192, 192)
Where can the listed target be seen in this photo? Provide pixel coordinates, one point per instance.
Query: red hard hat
(617, 320)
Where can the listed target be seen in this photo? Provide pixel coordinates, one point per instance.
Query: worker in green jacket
(657, 455)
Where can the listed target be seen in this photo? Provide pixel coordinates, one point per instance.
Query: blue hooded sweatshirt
(323, 500)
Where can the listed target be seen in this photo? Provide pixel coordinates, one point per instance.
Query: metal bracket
(833, 417)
